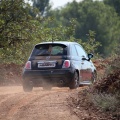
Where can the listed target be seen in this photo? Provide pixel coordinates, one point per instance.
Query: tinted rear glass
(49, 49)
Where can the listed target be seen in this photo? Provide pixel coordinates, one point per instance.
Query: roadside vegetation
(93, 24)
(105, 93)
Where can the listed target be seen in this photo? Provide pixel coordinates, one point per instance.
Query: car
(58, 64)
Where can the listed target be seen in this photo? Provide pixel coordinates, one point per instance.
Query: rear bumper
(54, 77)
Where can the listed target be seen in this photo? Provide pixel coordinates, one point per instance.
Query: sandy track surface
(36, 105)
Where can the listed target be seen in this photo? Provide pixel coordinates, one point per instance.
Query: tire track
(6, 103)
(38, 103)
(53, 106)
(26, 101)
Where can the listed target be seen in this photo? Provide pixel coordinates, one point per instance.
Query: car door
(86, 66)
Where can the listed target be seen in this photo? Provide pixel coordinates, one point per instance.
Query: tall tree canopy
(14, 22)
(95, 16)
(41, 5)
(17, 28)
(19, 31)
(115, 4)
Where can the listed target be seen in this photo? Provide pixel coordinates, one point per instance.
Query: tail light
(28, 65)
(66, 64)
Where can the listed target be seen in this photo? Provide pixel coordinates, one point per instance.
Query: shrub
(107, 102)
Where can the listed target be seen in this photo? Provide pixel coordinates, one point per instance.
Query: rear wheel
(75, 81)
(27, 86)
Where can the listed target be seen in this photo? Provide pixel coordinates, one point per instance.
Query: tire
(75, 81)
(94, 76)
(27, 86)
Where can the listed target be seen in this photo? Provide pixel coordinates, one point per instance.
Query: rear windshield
(49, 49)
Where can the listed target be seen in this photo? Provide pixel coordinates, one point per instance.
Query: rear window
(49, 49)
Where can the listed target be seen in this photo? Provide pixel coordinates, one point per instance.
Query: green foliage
(14, 23)
(95, 16)
(90, 45)
(41, 30)
(19, 31)
(16, 30)
(42, 5)
(50, 30)
(115, 4)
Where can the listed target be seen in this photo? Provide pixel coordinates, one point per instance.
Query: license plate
(46, 64)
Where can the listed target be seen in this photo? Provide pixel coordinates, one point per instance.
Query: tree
(95, 16)
(17, 28)
(41, 5)
(115, 4)
(14, 23)
(19, 31)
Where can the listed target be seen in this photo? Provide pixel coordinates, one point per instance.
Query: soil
(36, 105)
(56, 104)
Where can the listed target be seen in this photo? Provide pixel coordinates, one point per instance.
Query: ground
(56, 104)
(39, 104)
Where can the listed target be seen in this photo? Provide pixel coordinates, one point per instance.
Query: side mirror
(90, 55)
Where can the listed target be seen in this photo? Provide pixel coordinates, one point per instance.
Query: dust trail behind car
(38, 104)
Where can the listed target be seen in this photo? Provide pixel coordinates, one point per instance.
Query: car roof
(58, 42)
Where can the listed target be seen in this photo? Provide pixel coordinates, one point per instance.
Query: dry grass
(107, 102)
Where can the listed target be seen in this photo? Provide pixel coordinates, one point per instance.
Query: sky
(59, 3)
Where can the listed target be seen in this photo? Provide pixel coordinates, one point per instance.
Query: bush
(105, 93)
(107, 102)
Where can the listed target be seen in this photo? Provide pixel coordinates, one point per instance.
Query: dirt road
(36, 105)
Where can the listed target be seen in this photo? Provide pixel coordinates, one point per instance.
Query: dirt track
(36, 105)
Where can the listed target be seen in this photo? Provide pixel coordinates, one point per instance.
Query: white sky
(59, 3)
